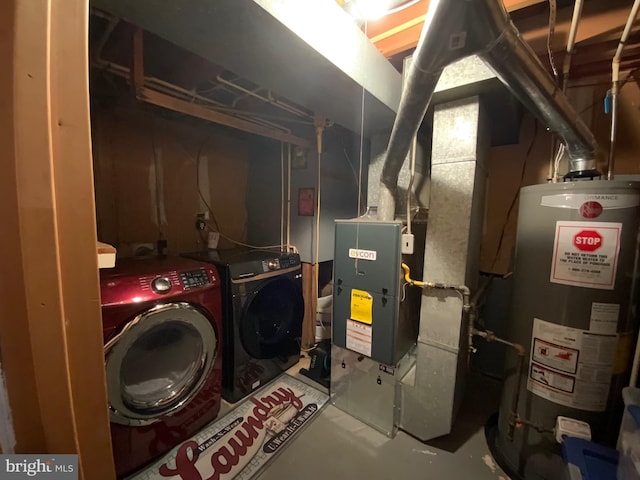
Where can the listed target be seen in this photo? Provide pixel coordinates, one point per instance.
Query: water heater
(575, 311)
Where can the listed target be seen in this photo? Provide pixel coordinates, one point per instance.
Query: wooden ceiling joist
(400, 32)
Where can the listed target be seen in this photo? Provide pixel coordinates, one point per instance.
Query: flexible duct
(457, 28)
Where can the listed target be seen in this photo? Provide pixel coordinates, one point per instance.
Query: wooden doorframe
(50, 322)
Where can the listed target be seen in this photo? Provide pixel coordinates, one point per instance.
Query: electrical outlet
(201, 224)
(407, 243)
(203, 215)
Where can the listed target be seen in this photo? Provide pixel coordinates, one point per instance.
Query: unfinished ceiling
(310, 52)
(598, 33)
(282, 76)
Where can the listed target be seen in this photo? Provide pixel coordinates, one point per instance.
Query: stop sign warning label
(585, 254)
(587, 240)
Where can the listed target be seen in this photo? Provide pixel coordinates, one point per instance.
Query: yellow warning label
(622, 358)
(361, 306)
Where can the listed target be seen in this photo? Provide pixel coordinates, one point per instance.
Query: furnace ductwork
(457, 28)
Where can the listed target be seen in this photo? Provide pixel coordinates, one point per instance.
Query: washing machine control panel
(194, 278)
(161, 284)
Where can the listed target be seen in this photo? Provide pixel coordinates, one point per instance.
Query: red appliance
(162, 326)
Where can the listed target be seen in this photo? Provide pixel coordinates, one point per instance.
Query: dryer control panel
(194, 278)
(284, 261)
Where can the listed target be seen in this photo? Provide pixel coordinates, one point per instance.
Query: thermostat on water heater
(570, 427)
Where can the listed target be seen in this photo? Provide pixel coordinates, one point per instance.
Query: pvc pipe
(566, 67)
(414, 148)
(288, 195)
(633, 381)
(282, 196)
(571, 42)
(615, 84)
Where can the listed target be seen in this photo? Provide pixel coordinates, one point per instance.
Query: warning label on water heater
(585, 254)
(570, 366)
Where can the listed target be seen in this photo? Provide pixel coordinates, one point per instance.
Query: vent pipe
(458, 28)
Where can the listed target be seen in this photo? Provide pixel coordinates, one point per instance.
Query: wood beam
(597, 19)
(400, 31)
(52, 302)
(137, 65)
(175, 104)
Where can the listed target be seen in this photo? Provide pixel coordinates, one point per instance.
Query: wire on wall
(360, 158)
(553, 10)
(517, 194)
(215, 226)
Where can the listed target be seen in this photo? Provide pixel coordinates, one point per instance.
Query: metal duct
(457, 28)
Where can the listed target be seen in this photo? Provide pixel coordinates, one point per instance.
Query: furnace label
(361, 306)
(570, 366)
(585, 254)
(359, 337)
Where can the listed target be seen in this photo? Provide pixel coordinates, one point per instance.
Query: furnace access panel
(367, 290)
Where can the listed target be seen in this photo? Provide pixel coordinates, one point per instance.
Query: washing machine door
(271, 323)
(158, 363)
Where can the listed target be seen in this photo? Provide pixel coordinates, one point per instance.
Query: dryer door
(271, 324)
(158, 363)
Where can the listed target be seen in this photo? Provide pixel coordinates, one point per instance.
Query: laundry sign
(585, 254)
(242, 442)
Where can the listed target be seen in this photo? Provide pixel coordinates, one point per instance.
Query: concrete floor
(337, 446)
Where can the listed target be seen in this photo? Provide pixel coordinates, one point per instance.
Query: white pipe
(633, 381)
(282, 105)
(571, 42)
(412, 160)
(187, 95)
(566, 67)
(281, 196)
(288, 196)
(615, 84)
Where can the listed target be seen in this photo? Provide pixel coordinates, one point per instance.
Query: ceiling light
(374, 9)
(370, 9)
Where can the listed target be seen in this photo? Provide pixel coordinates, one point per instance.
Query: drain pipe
(615, 85)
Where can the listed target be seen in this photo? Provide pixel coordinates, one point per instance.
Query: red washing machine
(162, 325)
